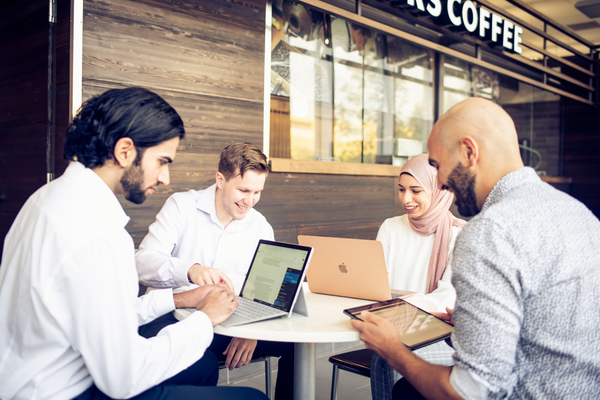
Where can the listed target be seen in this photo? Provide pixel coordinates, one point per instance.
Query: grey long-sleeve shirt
(527, 277)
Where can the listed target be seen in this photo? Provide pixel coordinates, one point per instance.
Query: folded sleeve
(154, 304)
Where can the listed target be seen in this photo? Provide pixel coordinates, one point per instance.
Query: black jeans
(284, 385)
(403, 390)
(165, 391)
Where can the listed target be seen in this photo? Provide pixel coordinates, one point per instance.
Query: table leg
(304, 371)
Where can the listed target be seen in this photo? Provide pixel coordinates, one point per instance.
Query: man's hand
(219, 304)
(447, 317)
(239, 352)
(191, 298)
(378, 334)
(432, 381)
(201, 276)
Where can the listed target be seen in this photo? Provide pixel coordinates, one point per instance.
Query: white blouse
(407, 258)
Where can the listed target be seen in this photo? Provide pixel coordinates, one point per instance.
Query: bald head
(479, 138)
(484, 121)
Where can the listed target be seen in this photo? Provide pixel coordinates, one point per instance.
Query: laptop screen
(275, 274)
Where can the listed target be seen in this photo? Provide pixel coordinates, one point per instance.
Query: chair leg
(268, 377)
(334, 382)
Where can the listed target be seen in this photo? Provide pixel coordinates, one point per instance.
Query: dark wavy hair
(137, 113)
(237, 158)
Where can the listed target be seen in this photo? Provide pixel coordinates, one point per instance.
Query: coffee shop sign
(476, 20)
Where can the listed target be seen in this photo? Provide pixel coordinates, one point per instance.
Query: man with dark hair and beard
(526, 273)
(69, 311)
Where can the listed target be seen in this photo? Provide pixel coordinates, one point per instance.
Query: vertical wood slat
(23, 105)
(280, 141)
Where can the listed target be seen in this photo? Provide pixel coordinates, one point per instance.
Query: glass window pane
(457, 82)
(536, 114)
(301, 76)
(413, 98)
(348, 43)
(343, 92)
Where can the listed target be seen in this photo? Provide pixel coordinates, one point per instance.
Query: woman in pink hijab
(418, 247)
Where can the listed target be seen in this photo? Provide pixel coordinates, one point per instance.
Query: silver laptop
(349, 268)
(273, 285)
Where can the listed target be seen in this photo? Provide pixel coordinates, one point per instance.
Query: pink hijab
(437, 219)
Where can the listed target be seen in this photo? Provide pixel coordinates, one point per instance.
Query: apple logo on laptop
(343, 268)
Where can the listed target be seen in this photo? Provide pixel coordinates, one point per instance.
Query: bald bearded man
(526, 273)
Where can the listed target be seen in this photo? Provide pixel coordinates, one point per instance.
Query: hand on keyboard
(219, 304)
(191, 298)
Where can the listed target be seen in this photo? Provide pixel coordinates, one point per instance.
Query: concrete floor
(350, 387)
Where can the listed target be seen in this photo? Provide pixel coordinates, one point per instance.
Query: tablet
(417, 328)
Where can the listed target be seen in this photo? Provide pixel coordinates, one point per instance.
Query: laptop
(349, 268)
(273, 285)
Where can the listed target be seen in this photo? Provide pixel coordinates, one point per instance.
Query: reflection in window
(301, 80)
(343, 92)
(536, 114)
(534, 111)
(463, 80)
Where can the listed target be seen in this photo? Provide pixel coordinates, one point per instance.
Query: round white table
(326, 323)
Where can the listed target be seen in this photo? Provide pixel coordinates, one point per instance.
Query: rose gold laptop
(348, 268)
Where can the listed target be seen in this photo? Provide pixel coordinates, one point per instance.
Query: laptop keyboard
(251, 310)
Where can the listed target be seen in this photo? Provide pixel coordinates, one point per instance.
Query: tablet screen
(417, 328)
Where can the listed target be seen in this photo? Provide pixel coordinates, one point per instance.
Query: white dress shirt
(187, 231)
(69, 311)
(407, 258)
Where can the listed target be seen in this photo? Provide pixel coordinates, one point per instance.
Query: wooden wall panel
(23, 104)
(197, 47)
(328, 205)
(63, 77)
(205, 58)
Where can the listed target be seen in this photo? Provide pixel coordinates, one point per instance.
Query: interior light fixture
(590, 8)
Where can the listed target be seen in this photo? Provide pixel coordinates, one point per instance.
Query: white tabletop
(326, 322)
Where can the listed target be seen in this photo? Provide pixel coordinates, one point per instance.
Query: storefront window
(463, 80)
(535, 111)
(301, 83)
(343, 92)
(536, 114)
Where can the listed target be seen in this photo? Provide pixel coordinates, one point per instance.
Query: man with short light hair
(526, 273)
(69, 311)
(207, 236)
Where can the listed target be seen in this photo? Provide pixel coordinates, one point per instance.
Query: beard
(132, 182)
(463, 185)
